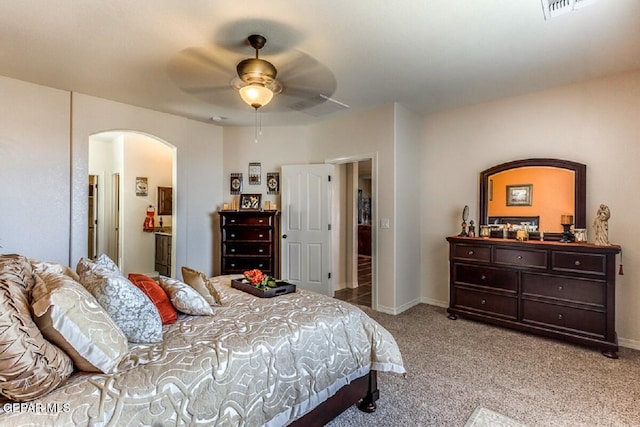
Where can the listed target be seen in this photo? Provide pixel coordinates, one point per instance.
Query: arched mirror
(537, 191)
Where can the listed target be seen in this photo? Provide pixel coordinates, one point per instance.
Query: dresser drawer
(233, 248)
(501, 305)
(241, 264)
(582, 291)
(485, 276)
(471, 252)
(574, 319)
(250, 221)
(250, 234)
(531, 258)
(579, 262)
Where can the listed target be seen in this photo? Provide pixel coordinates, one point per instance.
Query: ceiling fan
(300, 83)
(256, 79)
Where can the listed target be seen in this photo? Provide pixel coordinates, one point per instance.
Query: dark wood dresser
(559, 290)
(249, 239)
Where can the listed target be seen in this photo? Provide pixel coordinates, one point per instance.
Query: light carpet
(454, 366)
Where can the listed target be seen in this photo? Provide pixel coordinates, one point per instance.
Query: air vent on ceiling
(553, 8)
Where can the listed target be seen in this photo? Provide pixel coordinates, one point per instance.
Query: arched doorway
(129, 168)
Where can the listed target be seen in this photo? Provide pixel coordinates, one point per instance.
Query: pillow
(157, 296)
(198, 281)
(184, 298)
(53, 268)
(30, 366)
(70, 317)
(128, 306)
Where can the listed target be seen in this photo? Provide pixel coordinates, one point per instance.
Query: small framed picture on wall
(273, 183)
(235, 183)
(255, 173)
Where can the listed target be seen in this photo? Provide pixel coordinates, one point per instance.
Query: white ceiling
(428, 55)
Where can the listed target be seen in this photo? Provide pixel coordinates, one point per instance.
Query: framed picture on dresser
(250, 202)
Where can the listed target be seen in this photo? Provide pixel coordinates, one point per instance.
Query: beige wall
(368, 134)
(34, 170)
(595, 123)
(198, 179)
(44, 139)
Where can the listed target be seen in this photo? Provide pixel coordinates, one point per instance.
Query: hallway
(362, 294)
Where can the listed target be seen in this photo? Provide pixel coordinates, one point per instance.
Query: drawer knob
(233, 250)
(261, 235)
(483, 277)
(260, 265)
(483, 302)
(560, 317)
(560, 287)
(233, 265)
(233, 235)
(470, 252)
(233, 220)
(519, 256)
(260, 250)
(261, 220)
(577, 263)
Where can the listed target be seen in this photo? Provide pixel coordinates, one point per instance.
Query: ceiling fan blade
(203, 72)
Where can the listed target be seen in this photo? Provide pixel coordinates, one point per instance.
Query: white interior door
(306, 235)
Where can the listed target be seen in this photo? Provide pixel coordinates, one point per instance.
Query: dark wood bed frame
(363, 391)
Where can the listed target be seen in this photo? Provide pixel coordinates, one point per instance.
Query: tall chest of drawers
(249, 239)
(559, 290)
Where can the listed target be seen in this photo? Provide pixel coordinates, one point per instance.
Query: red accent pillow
(157, 295)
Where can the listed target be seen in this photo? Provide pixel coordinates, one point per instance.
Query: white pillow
(184, 298)
(70, 317)
(128, 306)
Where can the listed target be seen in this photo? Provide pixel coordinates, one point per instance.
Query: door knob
(284, 236)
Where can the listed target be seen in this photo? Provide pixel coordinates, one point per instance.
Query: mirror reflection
(539, 195)
(539, 192)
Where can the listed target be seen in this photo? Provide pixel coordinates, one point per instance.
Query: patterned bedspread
(255, 362)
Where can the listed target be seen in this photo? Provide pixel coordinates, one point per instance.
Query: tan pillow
(70, 317)
(198, 281)
(184, 298)
(30, 366)
(53, 268)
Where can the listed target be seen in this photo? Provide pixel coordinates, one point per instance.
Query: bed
(296, 359)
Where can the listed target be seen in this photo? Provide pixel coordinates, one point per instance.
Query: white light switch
(384, 222)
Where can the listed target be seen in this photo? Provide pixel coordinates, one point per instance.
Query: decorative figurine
(601, 226)
(465, 216)
(472, 229)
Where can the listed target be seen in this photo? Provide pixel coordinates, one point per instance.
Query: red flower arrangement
(260, 280)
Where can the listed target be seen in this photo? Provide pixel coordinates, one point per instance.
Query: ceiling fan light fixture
(256, 95)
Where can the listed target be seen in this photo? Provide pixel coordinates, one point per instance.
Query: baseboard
(627, 343)
(437, 303)
(622, 342)
(398, 310)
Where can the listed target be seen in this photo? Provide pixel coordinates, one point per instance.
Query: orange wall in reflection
(552, 194)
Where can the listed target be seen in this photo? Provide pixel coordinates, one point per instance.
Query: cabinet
(163, 254)
(249, 239)
(364, 239)
(558, 290)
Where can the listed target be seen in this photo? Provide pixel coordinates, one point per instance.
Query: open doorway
(131, 167)
(356, 215)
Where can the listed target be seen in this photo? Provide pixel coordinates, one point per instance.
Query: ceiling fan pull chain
(256, 128)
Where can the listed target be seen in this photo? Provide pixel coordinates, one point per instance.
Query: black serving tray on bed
(282, 289)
